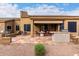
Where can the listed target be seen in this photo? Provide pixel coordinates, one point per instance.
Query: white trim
(48, 22)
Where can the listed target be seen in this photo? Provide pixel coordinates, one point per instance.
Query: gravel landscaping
(60, 49)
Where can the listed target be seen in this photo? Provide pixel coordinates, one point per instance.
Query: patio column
(32, 29)
(58, 27)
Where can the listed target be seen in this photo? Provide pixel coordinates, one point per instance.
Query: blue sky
(13, 9)
(66, 6)
(60, 8)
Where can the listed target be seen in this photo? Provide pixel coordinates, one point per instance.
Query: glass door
(44, 27)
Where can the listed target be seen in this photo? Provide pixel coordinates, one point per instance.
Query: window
(8, 28)
(17, 27)
(26, 27)
(72, 26)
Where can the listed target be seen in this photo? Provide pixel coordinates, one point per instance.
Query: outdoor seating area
(43, 37)
(44, 33)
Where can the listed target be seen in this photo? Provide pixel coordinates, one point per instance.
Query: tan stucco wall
(66, 25)
(29, 20)
(17, 22)
(2, 26)
(36, 28)
(26, 21)
(10, 23)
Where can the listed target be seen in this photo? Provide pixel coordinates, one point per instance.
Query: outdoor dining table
(42, 33)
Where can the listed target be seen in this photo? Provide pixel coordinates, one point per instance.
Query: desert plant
(39, 50)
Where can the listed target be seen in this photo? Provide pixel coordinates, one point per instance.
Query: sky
(13, 9)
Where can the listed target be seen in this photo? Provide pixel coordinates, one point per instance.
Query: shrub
(39, 50)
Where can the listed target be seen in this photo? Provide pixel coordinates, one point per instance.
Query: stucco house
(36, 23)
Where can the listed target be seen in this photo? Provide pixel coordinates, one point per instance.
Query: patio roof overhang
(54, 17)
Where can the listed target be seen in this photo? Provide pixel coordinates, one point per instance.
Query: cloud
(12, 10)
(50, 10)
(66, 4)
(9, 10)
(44, 10)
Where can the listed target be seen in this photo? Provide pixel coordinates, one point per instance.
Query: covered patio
(47, 27)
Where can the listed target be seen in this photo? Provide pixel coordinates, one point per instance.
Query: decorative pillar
(58, 27)
(32, 29)
(21, 24)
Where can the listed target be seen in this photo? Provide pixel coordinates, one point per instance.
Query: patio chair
(73, 39)
(37, 33)
(47, 33)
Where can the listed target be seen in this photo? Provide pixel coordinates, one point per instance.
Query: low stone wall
(61, 37)
(5, 40)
